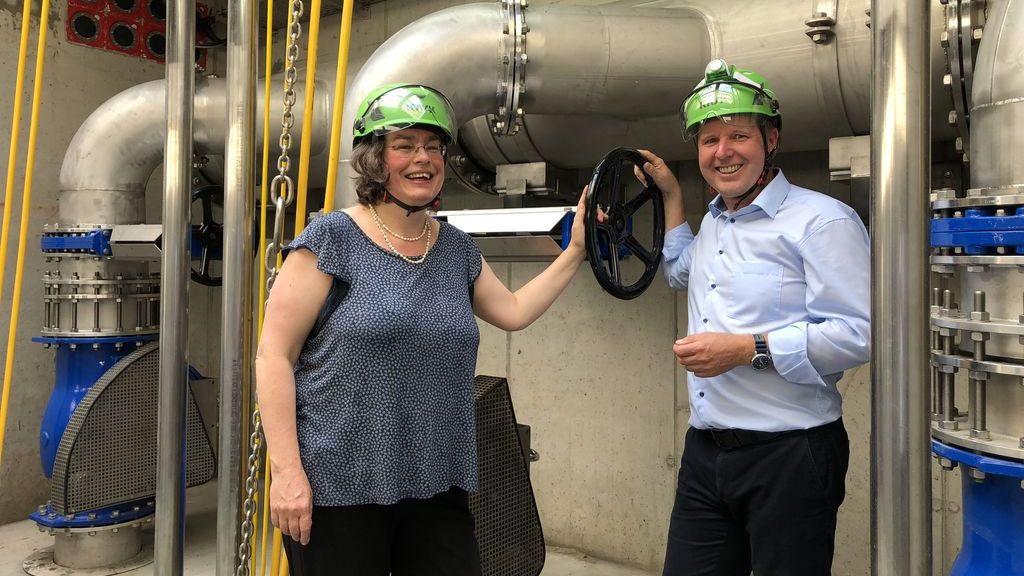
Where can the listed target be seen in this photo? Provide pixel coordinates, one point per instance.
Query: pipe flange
(512, 67)
(55, 229)
(972, 22)
(983, 261)
(79, 240)
(1008, 190)
(960, 39)
(1003, 196)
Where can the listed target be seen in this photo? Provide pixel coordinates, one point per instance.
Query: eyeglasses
(434, 150)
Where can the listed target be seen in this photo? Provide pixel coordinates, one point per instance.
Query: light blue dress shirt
(794, 265)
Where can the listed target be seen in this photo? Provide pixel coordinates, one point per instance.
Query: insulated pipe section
(900, 165)
(575, 59)
(467, 71)
(598, 61)
(115, 151)
(614, 75)
(997, 117)
(168, 556)
(626, 66)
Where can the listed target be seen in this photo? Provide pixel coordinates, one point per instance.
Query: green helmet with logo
(394, 107)
(726, 91)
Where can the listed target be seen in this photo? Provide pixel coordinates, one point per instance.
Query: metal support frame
(236, 315)
(174, 274)
(900, 166)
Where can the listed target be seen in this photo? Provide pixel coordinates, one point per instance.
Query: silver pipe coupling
(512, 68)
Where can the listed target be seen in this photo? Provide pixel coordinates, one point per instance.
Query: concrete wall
(595, 377)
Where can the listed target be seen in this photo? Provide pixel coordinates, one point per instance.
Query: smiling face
(731, 153)
(415, 162)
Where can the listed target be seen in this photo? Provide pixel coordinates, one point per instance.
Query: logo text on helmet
(413, 106)
(716, 94)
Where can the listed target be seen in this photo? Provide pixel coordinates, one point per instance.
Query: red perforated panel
(131, 27)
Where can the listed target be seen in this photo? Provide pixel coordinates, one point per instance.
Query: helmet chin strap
(409, 208)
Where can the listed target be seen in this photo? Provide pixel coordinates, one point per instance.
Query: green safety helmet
(725, 91)
(394, 107)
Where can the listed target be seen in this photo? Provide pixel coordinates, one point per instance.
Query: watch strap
(760, 345)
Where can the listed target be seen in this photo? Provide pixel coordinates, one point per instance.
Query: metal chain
(281, 203)
(251, 488)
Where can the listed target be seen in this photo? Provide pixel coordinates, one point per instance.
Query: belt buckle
(725, 439)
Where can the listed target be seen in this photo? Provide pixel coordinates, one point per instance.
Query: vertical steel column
(236, 338)
(174, 275)
(900, 138)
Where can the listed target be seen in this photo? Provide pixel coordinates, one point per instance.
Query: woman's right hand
(291, 503)
(662, 176)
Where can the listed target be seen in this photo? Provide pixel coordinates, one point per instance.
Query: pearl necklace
(384, 227)
(426, 231)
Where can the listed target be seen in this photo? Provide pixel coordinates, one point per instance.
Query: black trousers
(769, 507)
(430, 537)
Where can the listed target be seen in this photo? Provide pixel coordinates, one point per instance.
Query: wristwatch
(762, 359)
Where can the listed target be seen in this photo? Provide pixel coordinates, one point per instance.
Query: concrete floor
(19, 540)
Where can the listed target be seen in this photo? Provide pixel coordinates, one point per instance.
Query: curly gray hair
(368, 162)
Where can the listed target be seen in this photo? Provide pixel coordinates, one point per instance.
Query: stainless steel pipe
(115, 151)
(174, 274)
(236, 301)
(900, 164)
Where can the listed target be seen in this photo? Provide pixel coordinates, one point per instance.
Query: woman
(366, 364)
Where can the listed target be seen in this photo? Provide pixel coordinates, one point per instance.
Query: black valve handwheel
(209, 233)
(607, 192)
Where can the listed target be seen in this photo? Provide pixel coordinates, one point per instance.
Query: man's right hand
(662, 176)
(291, 503)
(675, 214)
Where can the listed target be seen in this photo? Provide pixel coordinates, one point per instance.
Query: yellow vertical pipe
(26, 208)
(264, 519)
(262, 289)
(282, 568)
(344, 40)
(307, 117)
(276, 555)
(268, 62)
(12, 155)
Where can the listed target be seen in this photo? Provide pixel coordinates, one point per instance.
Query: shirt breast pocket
(753, 293)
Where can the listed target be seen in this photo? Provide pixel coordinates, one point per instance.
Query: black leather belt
(733, 438)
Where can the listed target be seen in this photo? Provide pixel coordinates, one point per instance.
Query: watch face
(761, 361)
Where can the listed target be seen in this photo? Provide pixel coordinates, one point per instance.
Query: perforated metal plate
(507, 525)
(107, 454)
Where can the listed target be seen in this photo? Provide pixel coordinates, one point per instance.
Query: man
(778, 303)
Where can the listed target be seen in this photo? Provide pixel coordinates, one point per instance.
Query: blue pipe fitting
(95, 242)
(993, 514)
(980, 232)
(80, 362)
(47, 517)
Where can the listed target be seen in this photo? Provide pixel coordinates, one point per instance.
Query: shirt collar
(768, 201)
